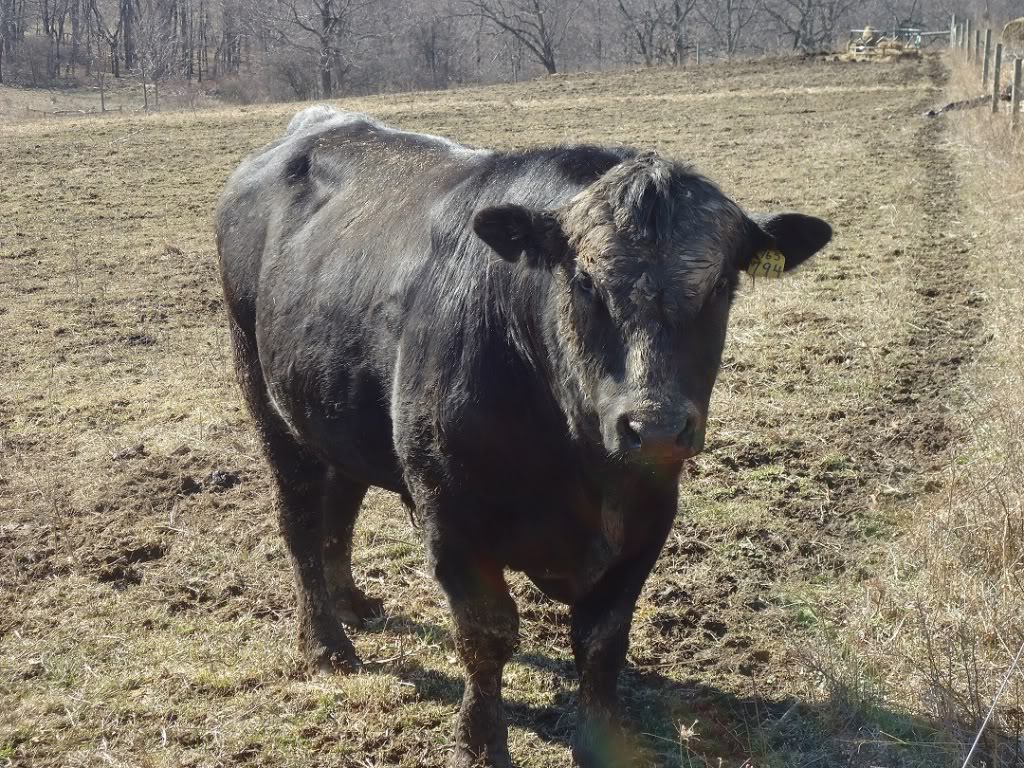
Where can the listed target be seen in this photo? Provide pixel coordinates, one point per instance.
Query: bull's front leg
(600, 639)
(486, 636)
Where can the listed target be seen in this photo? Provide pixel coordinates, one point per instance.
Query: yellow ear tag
(770, 264)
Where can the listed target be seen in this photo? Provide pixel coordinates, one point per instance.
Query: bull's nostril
(629, 433)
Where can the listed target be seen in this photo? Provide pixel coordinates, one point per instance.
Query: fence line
(979, 51)
(997, 75)
(1015, 103)
(988, 54)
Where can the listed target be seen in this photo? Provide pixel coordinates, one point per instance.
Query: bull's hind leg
(301, 482)
(342, 499)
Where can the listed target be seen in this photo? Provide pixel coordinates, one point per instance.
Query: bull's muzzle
(660, 440)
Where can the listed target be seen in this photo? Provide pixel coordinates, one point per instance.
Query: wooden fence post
(967, 38)
(977, 45)
(988, 55)
(1015, 102)
(997, 76)
(959, 36)
(952, 32)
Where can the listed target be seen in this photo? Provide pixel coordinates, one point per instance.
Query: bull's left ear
(795, 235)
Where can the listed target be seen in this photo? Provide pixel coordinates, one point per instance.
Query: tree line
(299, 49)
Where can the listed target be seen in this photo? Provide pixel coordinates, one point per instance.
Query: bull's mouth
(659, 455)
(666, 455)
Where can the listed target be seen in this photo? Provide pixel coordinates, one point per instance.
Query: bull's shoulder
(270, 172)
(573, 164)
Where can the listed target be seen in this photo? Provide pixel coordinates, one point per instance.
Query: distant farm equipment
(901, 42)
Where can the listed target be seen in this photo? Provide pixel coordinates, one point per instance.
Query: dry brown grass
(945, 616)
(146, 615)
(20, 104)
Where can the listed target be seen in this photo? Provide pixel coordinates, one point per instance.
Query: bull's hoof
(336, 657)
(601, 743)
(464, 758)
(354, 608)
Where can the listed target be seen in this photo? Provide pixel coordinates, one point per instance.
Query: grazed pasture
(145, 601)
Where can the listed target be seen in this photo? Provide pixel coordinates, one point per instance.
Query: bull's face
(646, 263)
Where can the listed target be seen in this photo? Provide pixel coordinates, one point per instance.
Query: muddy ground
(145, 600)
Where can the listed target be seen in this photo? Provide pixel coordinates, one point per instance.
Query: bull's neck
(548, 354)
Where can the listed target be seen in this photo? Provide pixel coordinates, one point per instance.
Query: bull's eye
(582, 283)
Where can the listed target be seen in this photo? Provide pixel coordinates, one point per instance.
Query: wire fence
(992, 62)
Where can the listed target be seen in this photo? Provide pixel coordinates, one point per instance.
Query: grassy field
(146, 610)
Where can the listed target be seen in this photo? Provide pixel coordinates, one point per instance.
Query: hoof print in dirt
(140, 340)
(754, 662)
(222, 479)
(118, 568)
(119, 576)
(190, 486)
(216, 481)
(137, 451)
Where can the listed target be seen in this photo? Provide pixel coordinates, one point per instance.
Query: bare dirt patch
(145, 603)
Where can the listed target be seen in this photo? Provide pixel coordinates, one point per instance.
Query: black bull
(533, 410)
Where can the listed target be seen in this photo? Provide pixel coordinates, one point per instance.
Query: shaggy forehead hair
(653, 221)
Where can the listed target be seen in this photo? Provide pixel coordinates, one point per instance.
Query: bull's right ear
(514, 232)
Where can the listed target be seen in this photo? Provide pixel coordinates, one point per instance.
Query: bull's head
(645, 264)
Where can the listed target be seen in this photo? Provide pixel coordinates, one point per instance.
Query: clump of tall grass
(940, 622)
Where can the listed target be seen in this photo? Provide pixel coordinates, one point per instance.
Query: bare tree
(129, 12)
(6, 25)
(539, 25)
(54, 15)
(77, 12)
(111, 35)
(434, 40)
(809, 23)
(658, 28)
(157, 51)
(795, 19)
(323, 27)
(901, 12)
(642, 21)
(679, 12)
(728, 20)
(833, 16)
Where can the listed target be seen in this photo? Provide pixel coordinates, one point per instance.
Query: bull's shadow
(689, 724)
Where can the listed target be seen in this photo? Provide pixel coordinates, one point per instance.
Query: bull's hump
(399, 142)
(332, 127)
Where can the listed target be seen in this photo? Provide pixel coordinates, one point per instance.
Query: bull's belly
(353, 436)
(565, 561)
(568, 581)
(362, 450)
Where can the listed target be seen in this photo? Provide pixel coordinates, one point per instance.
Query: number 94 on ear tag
(770, 264)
